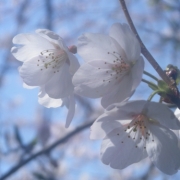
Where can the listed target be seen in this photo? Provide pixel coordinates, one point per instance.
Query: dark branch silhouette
(47, 150)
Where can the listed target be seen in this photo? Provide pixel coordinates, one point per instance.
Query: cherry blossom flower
(48, 64)
(113, 66)
(133, 130)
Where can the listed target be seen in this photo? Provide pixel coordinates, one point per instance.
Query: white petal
(112, 118)
(103, 125)
(48, 102)
(119, 92)
(60, 85)
(120, 151)
(164, 151)
(129, 108)
(125, 88)
(28, 87)
(96, 47)
(127, 40)
(137, 72)
(51, 37)
(163, 115)
(156, 111)
(32, 74)
(25, 85)
(66, 102)
(74, 64)
(177, 113)
(177, 133)
(71, 110)
(124, 111)
(93, 81)
(59, 43)
(30, 45)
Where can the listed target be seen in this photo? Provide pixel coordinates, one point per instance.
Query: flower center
(119, 66)
(52, 59)
(117, 69)
(137, 130)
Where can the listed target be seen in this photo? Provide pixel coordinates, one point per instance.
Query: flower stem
(153, 94)
(144, 50)
(149, 83)
(150, 75)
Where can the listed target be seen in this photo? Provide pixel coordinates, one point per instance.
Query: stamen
(52, 58)
(116, 70)
(136, 126)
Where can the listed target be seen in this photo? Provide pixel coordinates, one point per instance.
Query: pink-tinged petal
(161, 113)
(127, 40)
(74, 64)
(103, 125)
(60, 85)
(92, 81)
(35, 74)
(99, 47)
(119, 151)
(46, 101)
(30, 45)
(71, 110)
(119, 92)
(137, 72)
(163, 151)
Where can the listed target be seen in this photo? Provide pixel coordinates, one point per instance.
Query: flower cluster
(112, 70)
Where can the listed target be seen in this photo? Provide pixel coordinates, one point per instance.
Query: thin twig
(47, 150)
(144, 50)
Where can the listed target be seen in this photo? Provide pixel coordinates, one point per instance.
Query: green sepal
(163, 86)
(153, 87)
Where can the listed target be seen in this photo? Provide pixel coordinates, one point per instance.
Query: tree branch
(144, 50)
(49, 14)
(47, 150)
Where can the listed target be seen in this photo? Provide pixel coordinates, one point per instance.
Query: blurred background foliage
(27, 128)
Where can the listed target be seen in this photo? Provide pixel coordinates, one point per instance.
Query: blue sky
(19, 104)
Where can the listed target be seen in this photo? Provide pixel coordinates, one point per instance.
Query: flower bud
(73, 49)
